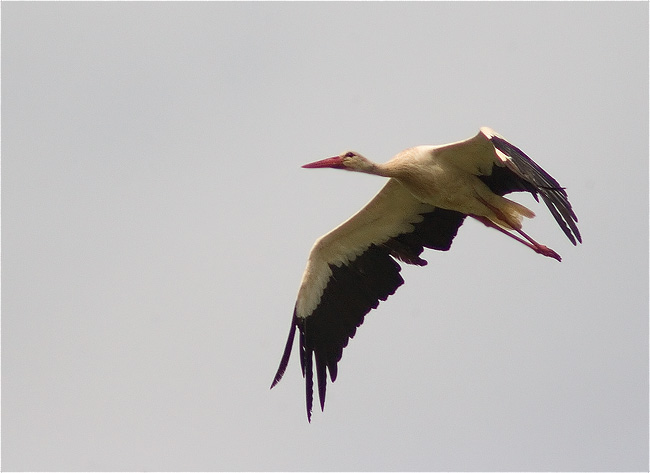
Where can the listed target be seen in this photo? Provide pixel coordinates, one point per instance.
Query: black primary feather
(353, 290)
(526, 175)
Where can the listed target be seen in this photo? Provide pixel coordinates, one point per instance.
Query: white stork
(430, 192)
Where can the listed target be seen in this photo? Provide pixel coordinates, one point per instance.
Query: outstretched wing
(352, 268)
(532, 175)
(504, 168)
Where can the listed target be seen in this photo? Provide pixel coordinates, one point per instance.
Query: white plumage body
(430, 191)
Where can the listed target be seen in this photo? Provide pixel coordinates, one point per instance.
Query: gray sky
(156, 223)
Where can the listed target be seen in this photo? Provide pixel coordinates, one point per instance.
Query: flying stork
(430, 191)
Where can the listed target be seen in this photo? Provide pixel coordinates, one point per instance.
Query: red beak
(334, 162)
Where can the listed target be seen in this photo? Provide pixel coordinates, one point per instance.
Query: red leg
(532, 244)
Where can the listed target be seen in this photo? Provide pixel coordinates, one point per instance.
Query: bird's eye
(349, 154)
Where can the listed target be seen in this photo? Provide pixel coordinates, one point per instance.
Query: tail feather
(514, 214)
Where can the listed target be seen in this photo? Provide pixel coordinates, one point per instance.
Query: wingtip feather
(286, 354)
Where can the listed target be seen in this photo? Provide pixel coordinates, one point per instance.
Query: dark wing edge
(529, 176)
(284, 362)
(356, 288)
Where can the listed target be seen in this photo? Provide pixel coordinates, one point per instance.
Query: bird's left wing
(352, 268)
(504, 168)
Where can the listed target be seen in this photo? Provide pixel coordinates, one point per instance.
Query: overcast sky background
(156, 223)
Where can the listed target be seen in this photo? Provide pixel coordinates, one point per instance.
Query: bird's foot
(546, 251)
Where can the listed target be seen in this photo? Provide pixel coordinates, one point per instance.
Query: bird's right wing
(352, 268)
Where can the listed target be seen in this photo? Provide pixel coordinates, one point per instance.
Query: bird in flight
(430, 192)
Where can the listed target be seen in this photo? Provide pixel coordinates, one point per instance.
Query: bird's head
(350, 161)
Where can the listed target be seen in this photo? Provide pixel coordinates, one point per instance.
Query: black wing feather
(523, 174)
(353, 290)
